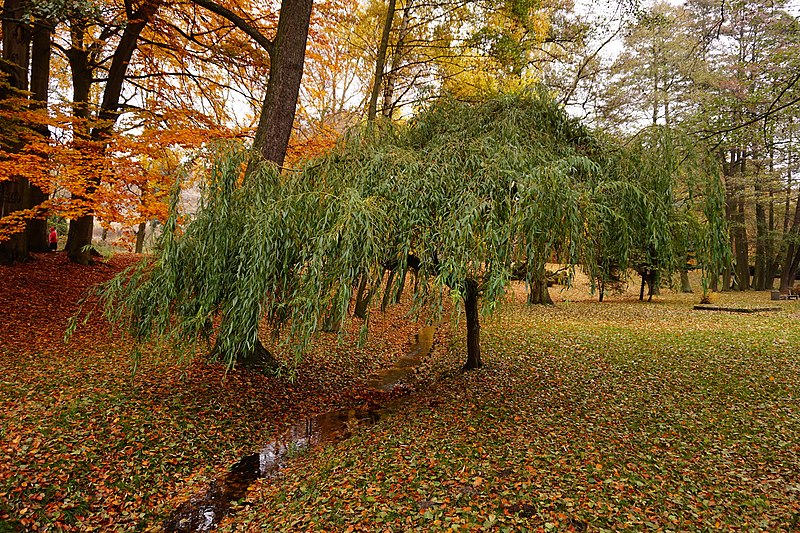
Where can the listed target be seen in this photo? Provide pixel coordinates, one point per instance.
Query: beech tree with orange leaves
(121, 57)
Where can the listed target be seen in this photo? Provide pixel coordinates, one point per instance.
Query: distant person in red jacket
(53, 239)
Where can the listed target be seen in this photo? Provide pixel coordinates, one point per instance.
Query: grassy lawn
(621, 416)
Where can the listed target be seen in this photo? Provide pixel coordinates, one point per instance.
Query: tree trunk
(686, 286)
(792, 258)
(727, 278)
(363, 297)
(80, 229)
(539, 295)
(473, 326)
(399, 293)
(140, 237)
(762, 236)
(387, 293)
(285, 74)
(773, 256)
(40, 80)
(742, 270)
(397, 55)
(641, 287)
(15, 193)
(332, 322)
(380, 61)
(259, 359)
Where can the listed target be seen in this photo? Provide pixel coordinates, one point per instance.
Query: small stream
(203, 511)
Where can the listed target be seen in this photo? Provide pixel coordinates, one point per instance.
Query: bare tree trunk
(742, 271)
(713, 282)
(15, 193)
(81, 228)
(380, 61)
(641, 287)
(363, 297)
(792, 259)
(397, 55)
(762, 236)
(140, 237)
(473, 326)
(40, 80)
(686, 286)
(399, 293)
(387, 293)
(539, 295)
(285, 74)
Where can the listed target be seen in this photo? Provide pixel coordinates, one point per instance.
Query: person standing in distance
(53, 239)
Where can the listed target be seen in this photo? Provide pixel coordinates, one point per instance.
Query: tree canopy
(462, 195)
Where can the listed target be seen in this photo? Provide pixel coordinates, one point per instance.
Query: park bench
(792, 293)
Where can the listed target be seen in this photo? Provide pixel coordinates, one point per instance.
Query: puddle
(404, 367)
(203, 511)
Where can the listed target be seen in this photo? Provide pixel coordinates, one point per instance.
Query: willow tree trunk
(686, 286)
(761, 270)
(738, 226)
(641, 287)
(140, 237)
(539, 295)
(363, 297)
(287, 56)
(473, 326)
(387, 294)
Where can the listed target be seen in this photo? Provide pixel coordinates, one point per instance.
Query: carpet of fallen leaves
(86, 445)
(621, 416)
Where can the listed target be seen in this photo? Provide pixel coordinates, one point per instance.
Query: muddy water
(203, 511)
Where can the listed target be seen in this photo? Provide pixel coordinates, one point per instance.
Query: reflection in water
(203, 511)
(404, 367)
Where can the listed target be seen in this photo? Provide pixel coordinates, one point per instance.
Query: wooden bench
(792, 293)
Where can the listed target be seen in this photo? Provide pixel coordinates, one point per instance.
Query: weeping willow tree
(663, 206)
(462, 194)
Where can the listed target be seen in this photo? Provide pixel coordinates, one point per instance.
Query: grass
(621, 416)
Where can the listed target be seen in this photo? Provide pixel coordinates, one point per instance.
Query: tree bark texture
(539, 295)
(363, 297)
(387, 294)
(686, 286)
(735, 208)
(380, 61)
(397, 56)
(140, 231)
(15, 193)
(283, 87)
(39, 84)
(792, 259)
(473, 326)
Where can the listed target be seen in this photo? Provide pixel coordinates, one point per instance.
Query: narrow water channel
(203, 511)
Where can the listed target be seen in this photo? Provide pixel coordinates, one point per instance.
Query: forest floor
(620, 416)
